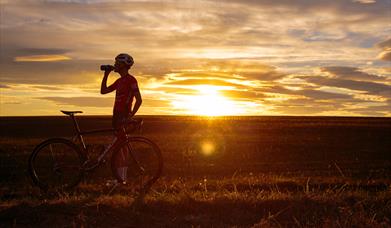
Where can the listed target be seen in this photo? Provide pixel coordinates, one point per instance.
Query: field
(255, 171)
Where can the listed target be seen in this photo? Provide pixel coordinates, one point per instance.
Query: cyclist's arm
(137, 104)
(103, 88)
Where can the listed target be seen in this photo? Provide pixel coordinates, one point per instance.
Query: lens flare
(207, 148)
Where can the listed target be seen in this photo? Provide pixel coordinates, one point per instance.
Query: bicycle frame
(79, 135)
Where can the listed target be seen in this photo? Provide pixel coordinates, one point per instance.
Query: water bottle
(106, 67)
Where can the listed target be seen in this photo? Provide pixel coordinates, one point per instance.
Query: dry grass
(237, 201)
(266, 172)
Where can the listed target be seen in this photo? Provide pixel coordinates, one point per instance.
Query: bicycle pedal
(89, 164)
(111, 182)
(112, 188)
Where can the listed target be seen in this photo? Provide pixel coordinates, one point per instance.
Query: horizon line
(204, 116)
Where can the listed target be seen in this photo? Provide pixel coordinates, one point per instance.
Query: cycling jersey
(125, 88)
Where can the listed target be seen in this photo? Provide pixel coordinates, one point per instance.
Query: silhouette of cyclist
(126, 90)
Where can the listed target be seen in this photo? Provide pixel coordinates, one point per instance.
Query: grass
(237, 201)
(265, 172)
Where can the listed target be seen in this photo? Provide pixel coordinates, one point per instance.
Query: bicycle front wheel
(55, 164)
(138, 162)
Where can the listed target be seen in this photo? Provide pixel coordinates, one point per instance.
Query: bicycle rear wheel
(55, 164)
(142, 163)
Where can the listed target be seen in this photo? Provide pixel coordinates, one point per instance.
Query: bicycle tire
(148, 155)
(46, 164)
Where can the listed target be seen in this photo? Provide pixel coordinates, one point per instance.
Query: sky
(233, 57)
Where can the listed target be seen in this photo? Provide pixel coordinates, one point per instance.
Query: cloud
(3, 86)
(350, 107)
(41, 58)
(303, 106)
(386, 53)
(40, 55)
(384, 44)
(370, 87)
(352, 73)
(82, 101)
(300, 110)
(42, 51)
(242, 95)
(177, 90)
(50, 88)
(229, 72)
(369, 109)
(257, 88)
(156, 103)
(365, 1)
(247, 69)
(195, 82)
(347, 6)
(12, 102)
(103, 102)
(184, 28)
(321, 95)
(76, 72)
(314, 93)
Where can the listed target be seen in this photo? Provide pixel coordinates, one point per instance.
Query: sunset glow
(207, 58)
(207, 103)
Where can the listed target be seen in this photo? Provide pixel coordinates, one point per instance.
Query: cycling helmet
(125, 58)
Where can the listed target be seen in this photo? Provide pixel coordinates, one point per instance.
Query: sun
(208, 102)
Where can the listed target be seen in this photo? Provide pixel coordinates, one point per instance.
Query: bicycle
(60, 164)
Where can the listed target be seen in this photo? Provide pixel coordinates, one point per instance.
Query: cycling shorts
(119, 119)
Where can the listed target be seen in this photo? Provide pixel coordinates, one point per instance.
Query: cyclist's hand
(108, 70)
(131, 114)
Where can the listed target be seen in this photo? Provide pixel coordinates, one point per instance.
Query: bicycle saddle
(70, 112)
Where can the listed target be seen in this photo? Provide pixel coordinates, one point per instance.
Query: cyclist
(126, 90)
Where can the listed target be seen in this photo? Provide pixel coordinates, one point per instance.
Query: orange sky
(235, 57)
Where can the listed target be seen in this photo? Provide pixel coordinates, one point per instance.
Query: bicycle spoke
(143, 163)
(137, 164)
(55, 164)
(54, 161)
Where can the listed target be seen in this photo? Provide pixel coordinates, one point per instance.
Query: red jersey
(125, 88)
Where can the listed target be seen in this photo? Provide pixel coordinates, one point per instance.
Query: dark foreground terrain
(261, 171)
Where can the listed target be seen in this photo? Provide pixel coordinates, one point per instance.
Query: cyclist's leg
(122, 157)
(121, 161)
